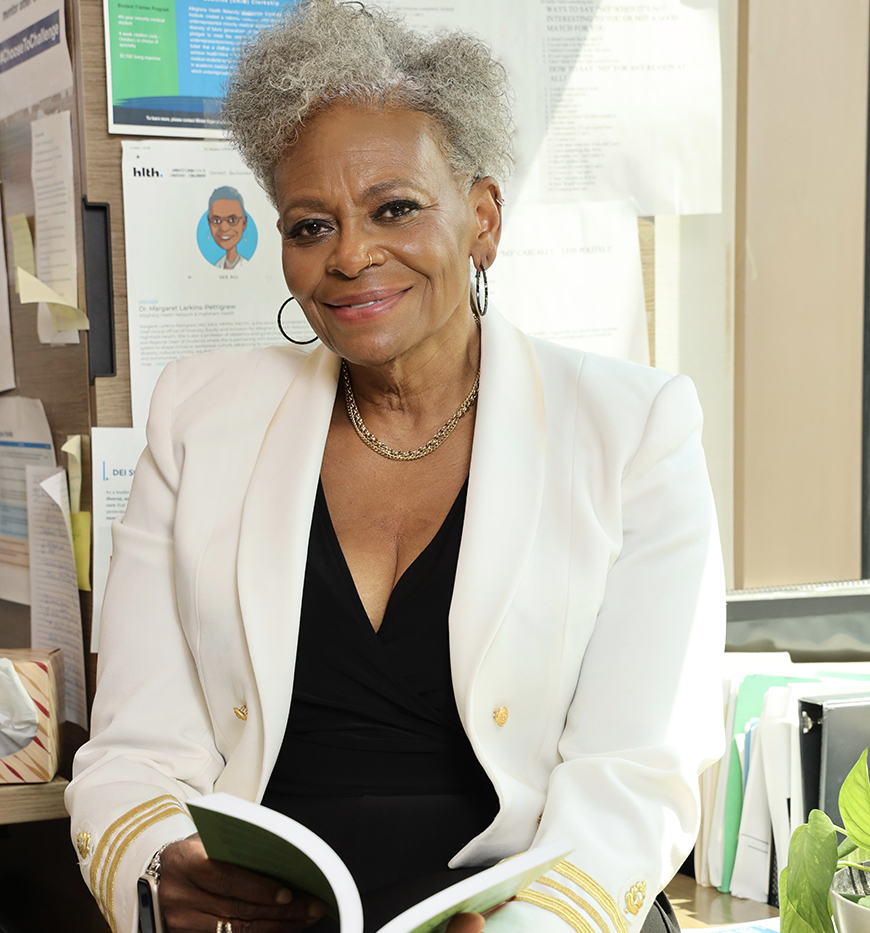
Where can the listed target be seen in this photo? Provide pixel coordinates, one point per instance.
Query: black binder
(834, 730)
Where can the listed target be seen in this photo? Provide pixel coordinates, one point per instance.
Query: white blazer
(588, 609)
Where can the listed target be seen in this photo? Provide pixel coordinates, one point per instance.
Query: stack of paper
(753, 800)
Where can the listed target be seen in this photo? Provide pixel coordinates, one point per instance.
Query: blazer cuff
(567, 897)
(113, 863)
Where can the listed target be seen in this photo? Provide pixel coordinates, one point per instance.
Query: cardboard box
(41, 673)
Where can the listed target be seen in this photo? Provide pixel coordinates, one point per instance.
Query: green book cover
(258, 839)
(233, 839)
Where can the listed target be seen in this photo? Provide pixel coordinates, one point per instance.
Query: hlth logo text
(146, 173)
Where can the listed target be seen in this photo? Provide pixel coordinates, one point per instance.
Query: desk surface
(700, 907)
(21, 803)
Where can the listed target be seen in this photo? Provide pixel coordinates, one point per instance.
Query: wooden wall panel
(101, 179)
(801, 327)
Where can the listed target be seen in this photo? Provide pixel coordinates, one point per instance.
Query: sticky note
(64, 316)
(81, 535)
(73, 450)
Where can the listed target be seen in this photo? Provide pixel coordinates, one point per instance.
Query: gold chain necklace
(379, 447)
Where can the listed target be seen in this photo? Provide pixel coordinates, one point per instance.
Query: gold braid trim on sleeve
(131, 837)
(585, 905)
(108, 835)
(591, 886)
(557, 907)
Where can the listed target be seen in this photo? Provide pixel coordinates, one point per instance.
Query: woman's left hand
(466, 923)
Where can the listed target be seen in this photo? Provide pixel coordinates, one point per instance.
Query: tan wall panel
(806, 124)
(102, 182)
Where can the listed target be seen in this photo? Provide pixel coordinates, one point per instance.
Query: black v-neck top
(375, 759)
(374, 712)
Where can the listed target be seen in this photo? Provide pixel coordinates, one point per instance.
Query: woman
(491, 562)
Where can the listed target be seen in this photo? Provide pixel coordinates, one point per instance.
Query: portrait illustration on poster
(226, 234)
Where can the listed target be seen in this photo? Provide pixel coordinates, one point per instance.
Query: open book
(269, 843)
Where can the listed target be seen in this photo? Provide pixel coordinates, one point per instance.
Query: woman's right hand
(197, 892)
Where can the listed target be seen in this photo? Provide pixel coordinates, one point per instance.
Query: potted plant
(816, 863)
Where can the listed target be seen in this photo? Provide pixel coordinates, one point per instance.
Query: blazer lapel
(273, 543)
(505, 491)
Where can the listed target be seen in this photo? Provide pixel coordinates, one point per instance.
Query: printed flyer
(166, 61)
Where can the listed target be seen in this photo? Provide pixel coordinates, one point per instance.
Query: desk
(21, 803)
(700, 907)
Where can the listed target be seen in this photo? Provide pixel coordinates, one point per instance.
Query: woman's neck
(423, 386)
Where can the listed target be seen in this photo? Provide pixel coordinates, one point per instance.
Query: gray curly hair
(323, 52)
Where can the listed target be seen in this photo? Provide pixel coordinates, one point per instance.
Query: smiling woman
(458, 592)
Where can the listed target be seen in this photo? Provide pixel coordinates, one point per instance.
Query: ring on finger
(224, 926)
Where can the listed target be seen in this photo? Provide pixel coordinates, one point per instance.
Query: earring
(481, 309)
(284, 333)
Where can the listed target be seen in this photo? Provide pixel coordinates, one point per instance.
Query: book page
(480, 892)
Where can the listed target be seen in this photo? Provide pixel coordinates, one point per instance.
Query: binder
(834, 730)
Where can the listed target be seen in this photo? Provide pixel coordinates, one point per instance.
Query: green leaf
(812, 860)
(855, 803)
(854, 898)
(846, 847)
(864, 901)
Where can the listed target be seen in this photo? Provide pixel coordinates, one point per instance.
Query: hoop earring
(284, 334)
(481, 309)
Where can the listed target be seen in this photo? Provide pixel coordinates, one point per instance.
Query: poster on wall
(615, 100)
(203, 258)
(571, 274)
(34, 58)
(166, 61)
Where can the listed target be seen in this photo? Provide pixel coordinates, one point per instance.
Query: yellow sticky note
(64, 316)
(22, 245)
(81, 533)
(73, 449)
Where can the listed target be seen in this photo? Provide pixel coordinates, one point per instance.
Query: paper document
(752, 861)
(571, 273)
(55, 612)
(767, 925)
(52, 175)
(7, 363)
(167, 63)
(34, 58)
(114, 455)
(750, 700)
(203, 272)
(25, 439)
(615, 100)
